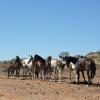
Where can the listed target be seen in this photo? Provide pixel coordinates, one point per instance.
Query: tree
(64, 54)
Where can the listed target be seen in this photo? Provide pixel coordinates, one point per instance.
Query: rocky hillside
(95, 56)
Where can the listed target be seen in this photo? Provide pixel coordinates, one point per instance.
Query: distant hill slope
(95, 56)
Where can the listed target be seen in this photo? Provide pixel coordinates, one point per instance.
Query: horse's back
(85, 64)
(25, 62)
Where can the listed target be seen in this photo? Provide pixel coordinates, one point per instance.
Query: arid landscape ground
(37, 89)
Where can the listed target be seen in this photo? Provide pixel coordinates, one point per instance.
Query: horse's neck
(27, 60)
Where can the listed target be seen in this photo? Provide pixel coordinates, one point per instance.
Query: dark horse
(85, 64)
(11, 69)
(41, 65)
(14, 67)
(82, 64)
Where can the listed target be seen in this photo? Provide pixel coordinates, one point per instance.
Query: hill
(95, 56)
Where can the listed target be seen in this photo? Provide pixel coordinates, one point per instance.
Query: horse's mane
(39, 58)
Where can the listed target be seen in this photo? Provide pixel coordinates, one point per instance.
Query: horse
(17, 65)
(14, 68)
(57, 66)
(42, 66)
(17, 69)
(10, 69)
(84, 64)
(28, 67)
(69, 59)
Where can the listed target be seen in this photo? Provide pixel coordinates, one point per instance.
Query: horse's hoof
(90, 83)
(53, 80)
(85, 82)
(77, 83)
(69, 81)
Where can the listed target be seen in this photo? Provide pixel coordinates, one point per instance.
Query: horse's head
(48, 60)
(36, 57)
(67, 60)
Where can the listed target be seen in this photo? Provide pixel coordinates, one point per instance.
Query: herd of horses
(49, 68)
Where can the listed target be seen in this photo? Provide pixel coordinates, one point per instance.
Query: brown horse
(85, 64)
(14, 68)
(41, 65)
(11, 69)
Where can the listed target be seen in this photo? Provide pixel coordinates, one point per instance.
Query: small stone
(57, 93)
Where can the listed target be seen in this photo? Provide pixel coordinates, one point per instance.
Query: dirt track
(16, 89)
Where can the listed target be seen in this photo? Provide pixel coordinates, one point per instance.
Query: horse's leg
(70, 75)
(46, 72)
(42, 73)
(50, 72)
(8, 72)
(34, 71)
(91, 77)
(30, 73)
(26, 72)
(13, 70)
(53, 74)
(59, 75)
(23, 71)
(89, 81)
(18, 70)
(83, 76)
(77, 77)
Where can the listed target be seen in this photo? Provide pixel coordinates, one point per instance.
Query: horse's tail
(93, 70)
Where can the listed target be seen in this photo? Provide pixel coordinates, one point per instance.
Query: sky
(48, 27)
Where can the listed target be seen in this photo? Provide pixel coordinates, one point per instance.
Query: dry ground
(16, 89)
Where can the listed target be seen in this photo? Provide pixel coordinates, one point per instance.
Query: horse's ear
(50, 56)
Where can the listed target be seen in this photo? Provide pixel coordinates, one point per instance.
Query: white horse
(57, 66)
(28, 66)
